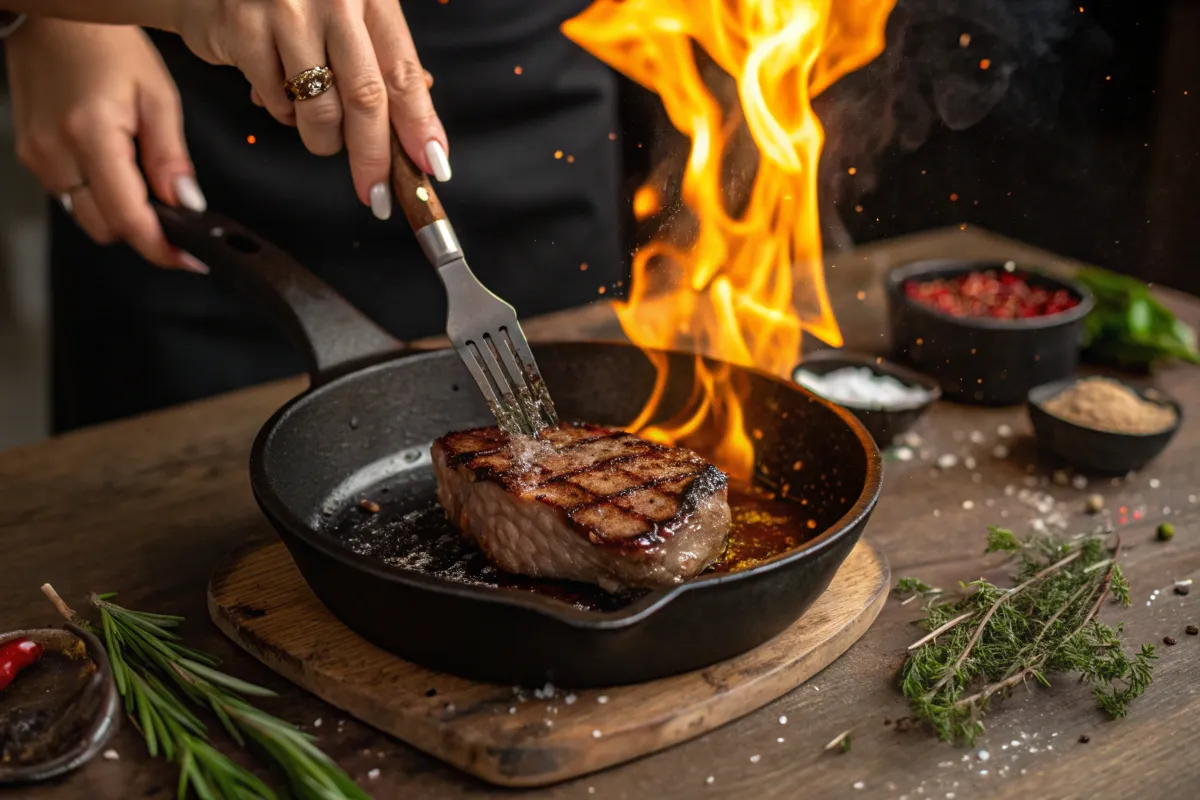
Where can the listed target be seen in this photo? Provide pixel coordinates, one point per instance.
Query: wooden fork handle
(414, 190)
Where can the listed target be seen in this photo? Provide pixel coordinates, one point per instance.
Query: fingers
(365, 112)
(115, 186)
(409, 104)
(301, 42)
(164, 152)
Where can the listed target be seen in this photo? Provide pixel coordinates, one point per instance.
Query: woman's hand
(378, 79)
(82, 95)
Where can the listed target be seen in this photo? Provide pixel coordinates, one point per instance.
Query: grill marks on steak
(584, 503)
(612, 486)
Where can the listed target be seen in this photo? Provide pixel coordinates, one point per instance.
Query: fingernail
(381, 201)
(437, 160)
(187, 191)
(192, 264)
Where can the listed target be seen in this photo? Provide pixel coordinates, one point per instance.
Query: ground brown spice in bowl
(1107, 405)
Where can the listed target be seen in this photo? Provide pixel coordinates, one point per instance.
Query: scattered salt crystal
(512, 709)
(976, 478)
(946, 764)
(1079, 482)
(949, 795)
(966, 758)
(1155, 483)
(1015, 743)
(911, 439)
(859, 785)
(317, 722)
(947, 460)
(783, 720)
(984, 755)
(596, 734)
(969, 462)
(991, 501)
(373, 774)
(1191, 498)
(449, 708)
(111, 755)
(569, 699)
(1003, 747)
(904, 454)
(983, 772)
(754, 759)
(977, 437)
(861, 387)
(780, 740)
(1000, 451)
(816, 688)
(1010, 490)
(592, 789)
(709, 780)
(968, 504)
(1022, 771)
(602, 699)
(1004, 431)
(937, 512)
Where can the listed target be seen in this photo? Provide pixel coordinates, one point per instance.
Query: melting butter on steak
(585, 503)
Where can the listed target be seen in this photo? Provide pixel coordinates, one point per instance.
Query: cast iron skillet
(366, 423)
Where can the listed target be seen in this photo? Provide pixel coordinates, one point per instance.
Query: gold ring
(309, 84)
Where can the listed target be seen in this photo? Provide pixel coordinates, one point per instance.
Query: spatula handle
(414, 190)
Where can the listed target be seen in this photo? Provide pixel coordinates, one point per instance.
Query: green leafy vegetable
(985, 644)
(1128, 327)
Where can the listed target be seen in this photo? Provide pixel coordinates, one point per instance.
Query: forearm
(145, 13)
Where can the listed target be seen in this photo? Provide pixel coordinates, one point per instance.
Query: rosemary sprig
(985, 644)
(156, 675)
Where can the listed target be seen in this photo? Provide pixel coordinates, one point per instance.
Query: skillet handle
(335, 337)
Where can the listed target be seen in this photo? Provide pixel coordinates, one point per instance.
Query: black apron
(128, 337)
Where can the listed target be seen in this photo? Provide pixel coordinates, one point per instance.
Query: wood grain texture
(258, 598)
(413, 190)
(150, 506)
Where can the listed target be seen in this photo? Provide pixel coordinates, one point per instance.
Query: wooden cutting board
(258, 598)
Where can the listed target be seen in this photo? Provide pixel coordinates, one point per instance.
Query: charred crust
(700, 479)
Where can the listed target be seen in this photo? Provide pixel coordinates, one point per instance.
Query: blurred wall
(23, 306)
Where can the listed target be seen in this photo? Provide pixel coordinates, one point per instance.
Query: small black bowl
(984, 361)
(1092, 450)
(884, 424)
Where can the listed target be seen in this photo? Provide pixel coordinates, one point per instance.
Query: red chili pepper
(16, 656)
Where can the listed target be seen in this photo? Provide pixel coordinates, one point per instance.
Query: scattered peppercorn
(369, 506)
(430, 692)
(1166, 532)
(1182, 588)
(1168, 640)
(1192, 630)
(1001, 295)
(1084, 738)
(1095, 503)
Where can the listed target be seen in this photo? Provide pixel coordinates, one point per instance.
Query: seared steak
(584, 503)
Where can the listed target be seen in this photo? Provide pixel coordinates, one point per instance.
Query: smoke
(951, 63)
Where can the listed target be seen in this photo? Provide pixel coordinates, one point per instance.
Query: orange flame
(729, 292)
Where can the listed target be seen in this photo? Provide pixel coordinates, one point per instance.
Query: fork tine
(509, 393)
(539, 395)
(521, 377)
(473, 359)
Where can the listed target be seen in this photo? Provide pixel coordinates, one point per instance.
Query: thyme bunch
(158, 677)
(982, 646)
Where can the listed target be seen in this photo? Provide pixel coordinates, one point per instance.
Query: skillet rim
(278, 512)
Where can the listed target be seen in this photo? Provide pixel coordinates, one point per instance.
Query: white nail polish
(437, 160)
(192, 264)
(381, 201)
(187, 191)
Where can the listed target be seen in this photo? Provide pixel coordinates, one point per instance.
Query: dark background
(1087, 145)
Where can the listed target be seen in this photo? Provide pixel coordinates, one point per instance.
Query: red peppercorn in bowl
(988, 332)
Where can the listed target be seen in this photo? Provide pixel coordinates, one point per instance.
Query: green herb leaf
(995, 639)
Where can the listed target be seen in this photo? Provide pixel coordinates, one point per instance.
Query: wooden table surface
(147, 506)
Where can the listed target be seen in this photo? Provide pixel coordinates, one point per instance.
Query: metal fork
(482, 327)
